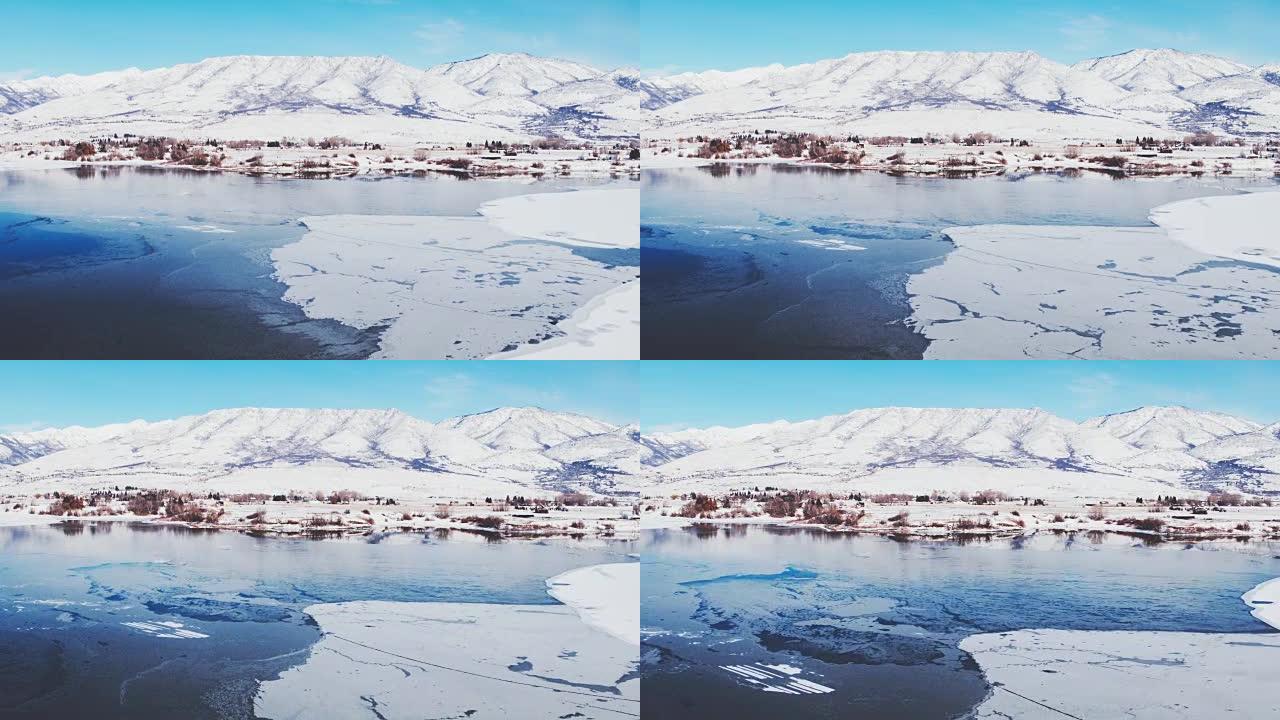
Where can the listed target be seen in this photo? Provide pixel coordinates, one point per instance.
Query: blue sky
(699, 394)
(655, 35)
(656, 394)
(730, 34)
(55, 394)
(55, 36)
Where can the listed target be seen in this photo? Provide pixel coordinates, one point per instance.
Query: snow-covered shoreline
(467, 659)
(471, 287)
(1010, 291)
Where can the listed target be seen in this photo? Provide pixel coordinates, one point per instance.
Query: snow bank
(19, 518)
(606, 597)
(1265, 601)
(464, 287)
(1056, 674)
(396, 660)
(599, 217)
(1241, 227)
(1011, 291)
(607, 328)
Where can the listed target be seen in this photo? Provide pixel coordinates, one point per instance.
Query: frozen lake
(120, 620)
(759, 261)
(129, 263)
(732, 616)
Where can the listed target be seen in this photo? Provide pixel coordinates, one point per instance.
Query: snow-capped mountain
(1146, 451)
(1171, 428)
(283, 449)
(508, 96)
(1161, 70)
(1017, 94)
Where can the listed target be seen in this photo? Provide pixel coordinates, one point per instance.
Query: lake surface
(879, 621)
(148, 263)
(86, 609)
(758, 261)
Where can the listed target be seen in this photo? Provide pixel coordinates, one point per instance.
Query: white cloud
(6, 429)
(441, 38)
(448, 390)
(12, 75)
(1086, 32)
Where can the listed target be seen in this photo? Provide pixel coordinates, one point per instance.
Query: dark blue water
(728, 273)
(129, 263)
(880, 620)
(67, 592)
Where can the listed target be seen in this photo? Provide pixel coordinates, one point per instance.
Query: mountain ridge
(1016, 93)
(266, 97)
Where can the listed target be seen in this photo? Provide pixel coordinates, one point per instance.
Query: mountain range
(1143, 452)
(385, 451)
(520, 96)
(1014, 94)
(497, 96)
(1147, 451)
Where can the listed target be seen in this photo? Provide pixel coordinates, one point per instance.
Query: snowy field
(947, 158)
(603, 521)
(473, 287)
(951, 518)
(392, 660)
(1201, 285)
(355, 159)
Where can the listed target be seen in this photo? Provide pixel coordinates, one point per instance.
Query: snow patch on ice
(1240, 227)
(1265, 601)
(166, 629)
(604, 596)
(470, 287)
(1011, 291)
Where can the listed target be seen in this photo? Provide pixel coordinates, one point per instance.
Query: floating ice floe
(601, 594)
(1011, 291)
(393, 659)
(210, 229)
(472, 287)
(166, 629)
(1056, 674)
(1265, 602)
(1242, 227)
(776, 679)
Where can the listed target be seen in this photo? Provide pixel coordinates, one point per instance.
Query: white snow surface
(1239, 227)
(1016, 94)
(1265, 602)
(1138, 675)
(1015, 291)
(470, 287)
(604, 596)
(473, 660)
(606, 328)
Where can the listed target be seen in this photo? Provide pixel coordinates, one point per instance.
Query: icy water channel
(781, 262)
(124, 263)
(752, 622)
(116, 620)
